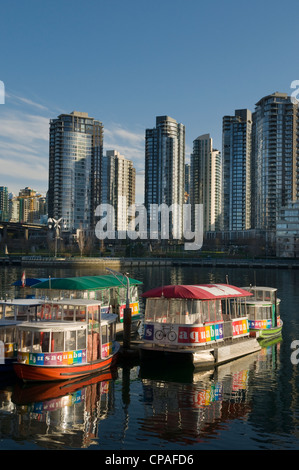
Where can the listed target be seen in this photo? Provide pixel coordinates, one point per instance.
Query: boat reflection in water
(147, 405)
(64, 414)
(192, 408)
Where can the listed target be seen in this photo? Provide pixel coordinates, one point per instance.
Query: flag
(23, 279)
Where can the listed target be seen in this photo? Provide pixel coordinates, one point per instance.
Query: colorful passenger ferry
(206, 324)
(70, 339)
(13, 312)
(108, 289)
(263, 310)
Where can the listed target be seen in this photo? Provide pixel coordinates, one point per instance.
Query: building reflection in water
(178, 406)
(65, 414)
(194, 407)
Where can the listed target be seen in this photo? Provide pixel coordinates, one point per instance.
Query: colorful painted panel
(53, 359)
(106, 349)
(134, 310)
(260, 324)
(183, 335)
(240, 327)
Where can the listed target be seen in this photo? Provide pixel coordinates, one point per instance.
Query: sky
(126, 62)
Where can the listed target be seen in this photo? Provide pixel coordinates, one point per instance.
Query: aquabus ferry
(206, 324)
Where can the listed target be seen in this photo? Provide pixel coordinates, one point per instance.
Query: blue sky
(126, 62)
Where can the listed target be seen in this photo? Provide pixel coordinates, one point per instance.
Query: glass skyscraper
(206, 180)
(4, 204)
(118, 187)
(236, 170)
(274, 158)
(165, 172)
(75, 156)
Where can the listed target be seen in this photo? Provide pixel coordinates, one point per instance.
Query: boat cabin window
(20, 312)
(264, 295)
(80, 313)
(54, 341)
(7, 312)
(68, 313)
(191, 311)
(4, 313)
(108, 333)
(70, 340)
(7, 334)
(122, 295)
(234, 308)
(134, 293)
(104, 331)
(81, 339)
(41, 341)
(112, 331)
(93, 313)
(259, 312)
(156, 309)
(64, 312)
(24, 341)
(57, 341)
(259, 295)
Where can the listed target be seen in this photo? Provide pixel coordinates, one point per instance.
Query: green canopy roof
(85, 283)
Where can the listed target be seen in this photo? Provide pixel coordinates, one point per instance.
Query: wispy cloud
(15, 98)
(24, 147)
(24, 144)
(130, 144)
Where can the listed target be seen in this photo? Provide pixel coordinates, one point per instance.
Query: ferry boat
(13, 312)
(263, 310)
(108, 289)
(205, 324)
(70, 339)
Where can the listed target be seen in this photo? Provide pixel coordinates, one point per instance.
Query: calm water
(251, 403)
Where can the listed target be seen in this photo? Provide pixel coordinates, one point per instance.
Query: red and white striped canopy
(200, 291)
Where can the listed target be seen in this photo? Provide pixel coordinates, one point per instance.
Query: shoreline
(119, 263)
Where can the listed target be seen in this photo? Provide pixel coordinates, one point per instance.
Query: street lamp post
(55, 224)
(127, 310)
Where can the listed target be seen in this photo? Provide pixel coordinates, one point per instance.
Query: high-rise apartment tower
(165, 172)
(118, 186)
(236, 170)
(206, 181)
(275, 158)
(76, 150)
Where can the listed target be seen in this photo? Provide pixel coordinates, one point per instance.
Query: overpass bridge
(22, 228)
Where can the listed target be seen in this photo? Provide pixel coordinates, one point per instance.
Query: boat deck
(205, 356)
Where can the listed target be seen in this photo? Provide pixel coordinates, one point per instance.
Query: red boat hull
(33, 373)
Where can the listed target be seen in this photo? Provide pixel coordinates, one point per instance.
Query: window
(81, 339)
(70, 340)
(104, 334)
(25, 341)
(57, 341)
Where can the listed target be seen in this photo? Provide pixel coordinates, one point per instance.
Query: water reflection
(183, 407)
(251, 403)
(58, 414)
(192, 408)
